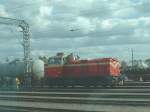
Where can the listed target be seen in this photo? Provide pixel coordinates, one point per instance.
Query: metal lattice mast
(27, 47)
(26, 40)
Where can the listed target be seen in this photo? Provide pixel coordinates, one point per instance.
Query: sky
(102, 28)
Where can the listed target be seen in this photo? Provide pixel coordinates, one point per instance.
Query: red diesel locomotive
(64, 71)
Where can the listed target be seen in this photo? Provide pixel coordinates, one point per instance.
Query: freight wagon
(69, 70)
(12, 72)
(137, 74)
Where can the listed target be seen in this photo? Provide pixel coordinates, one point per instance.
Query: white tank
(38, 69)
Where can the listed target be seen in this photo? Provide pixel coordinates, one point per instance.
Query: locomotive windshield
(55, 60)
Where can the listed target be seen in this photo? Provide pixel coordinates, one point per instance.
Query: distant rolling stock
(16, 68)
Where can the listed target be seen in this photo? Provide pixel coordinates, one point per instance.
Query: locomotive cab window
(57, 60)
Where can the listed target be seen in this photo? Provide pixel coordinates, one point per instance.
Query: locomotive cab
(56, 61)
(54, 69)
(59, 59)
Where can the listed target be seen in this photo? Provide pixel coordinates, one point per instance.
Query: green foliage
(147, 61)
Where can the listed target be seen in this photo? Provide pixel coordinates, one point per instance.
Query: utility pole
(132, 57)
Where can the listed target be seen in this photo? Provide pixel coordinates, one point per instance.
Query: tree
(147, 61)
(124, 64)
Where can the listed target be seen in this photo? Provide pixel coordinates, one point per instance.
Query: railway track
(127, 85)
(77, 100)
(80, 89)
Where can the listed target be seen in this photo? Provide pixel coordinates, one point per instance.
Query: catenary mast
(26, 40)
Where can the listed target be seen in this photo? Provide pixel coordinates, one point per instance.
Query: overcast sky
(103, 28)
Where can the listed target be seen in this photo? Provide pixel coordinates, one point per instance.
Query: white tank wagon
(16, 68)
(38, 69)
